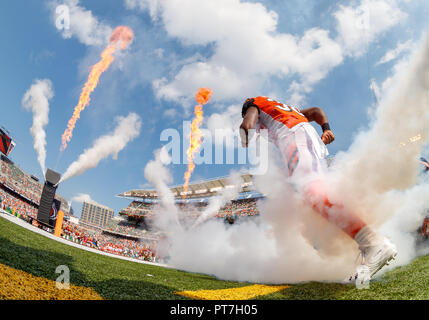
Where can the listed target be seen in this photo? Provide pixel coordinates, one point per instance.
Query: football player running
(304, 154)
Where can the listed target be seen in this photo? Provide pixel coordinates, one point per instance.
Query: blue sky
(158, 75)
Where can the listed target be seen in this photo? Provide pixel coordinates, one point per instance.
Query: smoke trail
(384, 160)
(121, 35)
(127, 129)
(167, 217)
(36, 100)
(225, 196)
(202, 97)
(402, 114)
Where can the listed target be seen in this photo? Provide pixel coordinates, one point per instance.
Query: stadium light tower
(48, 205)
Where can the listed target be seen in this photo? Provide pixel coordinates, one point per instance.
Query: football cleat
(374, 257)
(362, 277)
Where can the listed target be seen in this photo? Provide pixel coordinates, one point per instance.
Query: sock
(366, 237)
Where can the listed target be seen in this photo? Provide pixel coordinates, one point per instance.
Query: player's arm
(319, 116)
(249, 122)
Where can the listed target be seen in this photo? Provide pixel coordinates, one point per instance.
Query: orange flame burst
(121, 34)
(202, 97)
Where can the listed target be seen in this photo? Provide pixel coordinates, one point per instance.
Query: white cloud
(223, 81)
(224, 127)
(249, 50)
(375, 88)
(360, 25)
(83, 24)
(83, 197)
(170, 113)
(146, 185)
(394, 53)
(151, 5)
(229, 119)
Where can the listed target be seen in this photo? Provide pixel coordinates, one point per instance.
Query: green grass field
(113, 278)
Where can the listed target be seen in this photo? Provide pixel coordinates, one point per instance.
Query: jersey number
(288, 108)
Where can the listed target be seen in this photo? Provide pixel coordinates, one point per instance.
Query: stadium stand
(196, 190)
(131, 234)
(16, 183)
(144, 202)
(14, 179)
(241, 208)
(128, 247)
(138, 208)
(20, 194)
(12, 204)
(131, 227)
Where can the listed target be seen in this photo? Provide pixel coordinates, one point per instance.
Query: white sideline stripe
(26, 225)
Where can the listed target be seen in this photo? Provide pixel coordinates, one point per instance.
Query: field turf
(23, 252)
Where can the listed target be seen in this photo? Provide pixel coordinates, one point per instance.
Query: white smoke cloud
(271, 249)
(410, 207)
(380, 171)
(378, 149)
(167, 217)
(225, 196)
(36, 100)
(375, 178)
(127, 129)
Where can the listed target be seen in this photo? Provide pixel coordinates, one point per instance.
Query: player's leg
(376, 251)
(307, 167)
(309, 175)
(315, 194)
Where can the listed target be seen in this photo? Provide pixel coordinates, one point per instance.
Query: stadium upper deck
(203, 189)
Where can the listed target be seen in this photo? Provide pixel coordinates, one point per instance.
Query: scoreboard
(6, 142)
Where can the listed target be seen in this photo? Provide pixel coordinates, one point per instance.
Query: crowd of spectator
(239, 208)
(127, 237)
(138, 208)
(12, 177)
(137, 249)
(124, 227)
(12, 204)
(108, 240)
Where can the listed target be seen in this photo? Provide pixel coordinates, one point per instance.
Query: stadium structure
(18, 189)
(131, 233)
(129, 236)
(200, 190)
(194, 200)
